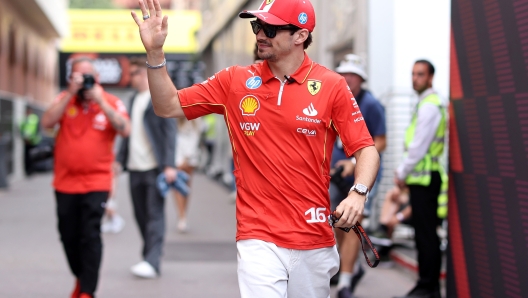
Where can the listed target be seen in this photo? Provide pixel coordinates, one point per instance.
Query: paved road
(199, 264)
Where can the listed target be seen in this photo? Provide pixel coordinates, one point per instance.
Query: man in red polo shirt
(283, 116)
(89, 120)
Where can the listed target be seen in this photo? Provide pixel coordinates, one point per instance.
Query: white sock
(344, 280)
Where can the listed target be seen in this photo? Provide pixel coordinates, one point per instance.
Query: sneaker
(182, 226)
(356, 277)
(144, 269)
(418, 292)
(77, 290)
(345, 293)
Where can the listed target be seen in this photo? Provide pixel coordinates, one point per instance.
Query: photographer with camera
(89, 120)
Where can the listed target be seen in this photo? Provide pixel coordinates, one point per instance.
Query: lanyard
(363, 237)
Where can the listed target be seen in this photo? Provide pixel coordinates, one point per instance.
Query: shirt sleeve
(207, 97)
(429, 117)
(348, 120)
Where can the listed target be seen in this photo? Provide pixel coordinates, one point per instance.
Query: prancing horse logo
(314, 86)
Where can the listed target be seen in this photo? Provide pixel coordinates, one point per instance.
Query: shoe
(182, 226)
(144, 269)
(345, 293)
(77, 290)
(356, 277)
(84, 295)
(417, 292)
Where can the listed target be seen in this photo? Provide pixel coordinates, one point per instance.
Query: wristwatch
(361, 189)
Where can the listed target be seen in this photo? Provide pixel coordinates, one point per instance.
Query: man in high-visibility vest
(29, 129)
(422, 173)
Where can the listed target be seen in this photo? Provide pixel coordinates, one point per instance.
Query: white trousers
(268, 271)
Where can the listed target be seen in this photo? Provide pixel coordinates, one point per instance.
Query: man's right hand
(153, 30)
(76, 83)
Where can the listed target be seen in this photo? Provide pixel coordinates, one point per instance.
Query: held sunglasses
(271, 30)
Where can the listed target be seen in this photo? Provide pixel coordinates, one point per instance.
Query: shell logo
(71, 111)
(249, 105)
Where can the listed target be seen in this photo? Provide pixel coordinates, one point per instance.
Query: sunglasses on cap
(270, 30)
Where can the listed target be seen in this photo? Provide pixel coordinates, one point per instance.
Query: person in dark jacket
(148, 152)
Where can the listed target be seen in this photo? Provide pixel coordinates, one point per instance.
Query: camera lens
(88, 81)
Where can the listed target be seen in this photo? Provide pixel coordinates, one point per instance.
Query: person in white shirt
(148, 152)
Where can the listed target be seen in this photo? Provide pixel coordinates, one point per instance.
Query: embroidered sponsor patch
(249, 105)
(314, 86)
(303, 18)
(254, 82)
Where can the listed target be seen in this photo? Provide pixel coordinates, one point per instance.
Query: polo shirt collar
(426, 93)
(299, 75)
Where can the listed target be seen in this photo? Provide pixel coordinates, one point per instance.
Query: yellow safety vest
(421, 174)
(29, 129)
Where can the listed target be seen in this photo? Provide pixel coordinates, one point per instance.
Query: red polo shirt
(84, 147)
(282, 133)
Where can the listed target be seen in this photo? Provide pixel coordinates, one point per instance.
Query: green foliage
(92, 4)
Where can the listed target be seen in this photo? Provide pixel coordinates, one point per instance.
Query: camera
(88, 83)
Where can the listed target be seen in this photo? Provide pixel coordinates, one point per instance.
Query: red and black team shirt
(282, 133)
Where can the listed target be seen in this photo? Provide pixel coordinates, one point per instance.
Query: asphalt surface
(200, 263)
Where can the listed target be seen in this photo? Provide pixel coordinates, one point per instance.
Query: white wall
(402, 31)
(56, 12)
(380, 46)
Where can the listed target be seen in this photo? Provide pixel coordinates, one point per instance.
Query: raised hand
(152, 26)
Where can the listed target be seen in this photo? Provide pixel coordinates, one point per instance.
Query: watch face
(361, 188)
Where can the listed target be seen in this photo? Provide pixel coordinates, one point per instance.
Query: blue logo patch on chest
(254, 82)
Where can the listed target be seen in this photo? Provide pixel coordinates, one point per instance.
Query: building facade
(29, 30)
(226, 40)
